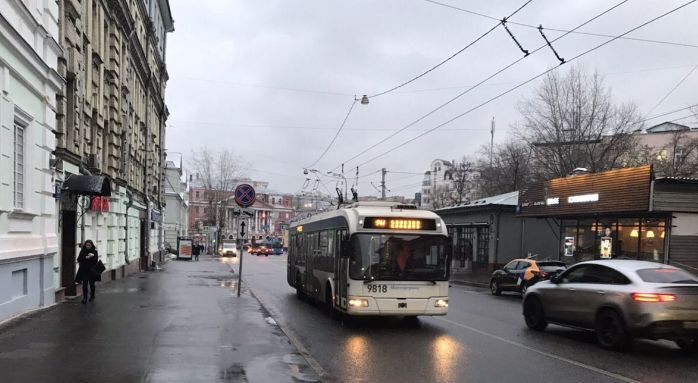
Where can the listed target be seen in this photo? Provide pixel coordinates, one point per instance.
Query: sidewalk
(183, 324)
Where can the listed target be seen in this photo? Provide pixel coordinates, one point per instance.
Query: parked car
(619, 300)
(253, 248)
(519, 274)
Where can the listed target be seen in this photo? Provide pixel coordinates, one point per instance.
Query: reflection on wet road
(483, 339)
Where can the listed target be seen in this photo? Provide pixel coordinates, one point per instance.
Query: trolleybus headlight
(358, 302)
(443, 303)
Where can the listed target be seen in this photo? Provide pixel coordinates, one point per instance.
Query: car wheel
(611, 332)
(494, 287)
(534, 314)
(690, 345)
(524, 288)
(266, 255)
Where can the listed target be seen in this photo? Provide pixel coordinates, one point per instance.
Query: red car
(263, 250)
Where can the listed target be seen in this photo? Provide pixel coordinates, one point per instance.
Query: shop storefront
(624, 213)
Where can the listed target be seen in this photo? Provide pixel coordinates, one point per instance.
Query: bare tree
(441, 196)
(218, 172)
(572, 121)
(510, 169)
(462, 180)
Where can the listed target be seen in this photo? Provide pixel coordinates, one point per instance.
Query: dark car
(519, 274)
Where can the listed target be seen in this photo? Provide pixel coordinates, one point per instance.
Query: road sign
(245, 195)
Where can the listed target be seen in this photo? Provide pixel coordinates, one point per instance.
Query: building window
(19, 165)
(196, 194)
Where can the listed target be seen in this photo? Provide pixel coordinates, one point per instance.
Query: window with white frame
(19, 165)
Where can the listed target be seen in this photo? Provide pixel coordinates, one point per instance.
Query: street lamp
(364, 99)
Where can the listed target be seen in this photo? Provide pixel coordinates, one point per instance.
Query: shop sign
(155, 216)
(99, 204)
(623, 190)
(593, 197)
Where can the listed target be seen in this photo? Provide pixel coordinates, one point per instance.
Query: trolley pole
(242, 236)
(383, 171)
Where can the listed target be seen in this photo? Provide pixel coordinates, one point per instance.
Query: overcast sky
(273, 79)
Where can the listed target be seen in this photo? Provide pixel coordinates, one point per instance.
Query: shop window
(483, 246)
(586, 240)
(651, 241)
(628, 237)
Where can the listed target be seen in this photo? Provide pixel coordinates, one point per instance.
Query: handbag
(100, 267)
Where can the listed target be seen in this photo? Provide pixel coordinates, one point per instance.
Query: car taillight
(652, 297)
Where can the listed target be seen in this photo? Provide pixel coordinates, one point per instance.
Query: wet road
(483, 338)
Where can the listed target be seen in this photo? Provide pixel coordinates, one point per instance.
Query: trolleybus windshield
(399, 257)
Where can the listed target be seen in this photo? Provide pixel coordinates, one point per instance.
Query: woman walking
(87, 272)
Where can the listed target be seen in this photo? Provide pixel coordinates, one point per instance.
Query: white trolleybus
(372, 258)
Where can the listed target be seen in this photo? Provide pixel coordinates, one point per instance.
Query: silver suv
(619, 300)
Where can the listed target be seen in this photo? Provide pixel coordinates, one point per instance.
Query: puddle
(234, 373)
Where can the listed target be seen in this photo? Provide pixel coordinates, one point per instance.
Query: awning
(87, 185)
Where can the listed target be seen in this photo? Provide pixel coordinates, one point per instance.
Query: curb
(321, 373)
(295, 342)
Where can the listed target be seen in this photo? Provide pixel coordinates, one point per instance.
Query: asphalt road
(482, 339)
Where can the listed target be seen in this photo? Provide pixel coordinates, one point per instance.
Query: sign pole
(242, 236)
(245, 196)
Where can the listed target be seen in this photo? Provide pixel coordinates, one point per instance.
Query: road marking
(560, 358)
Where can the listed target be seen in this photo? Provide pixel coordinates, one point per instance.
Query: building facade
(29, 82)
(486, 234)
(624, 213)
(176, 218)
(111, 123)
(448, 183)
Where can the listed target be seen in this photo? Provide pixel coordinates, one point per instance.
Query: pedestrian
(87, 272)
(195, 251)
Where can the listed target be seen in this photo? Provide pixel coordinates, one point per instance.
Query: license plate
(376, 288)
(691, 325)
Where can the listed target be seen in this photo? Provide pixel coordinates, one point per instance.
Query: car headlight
(443, 303)
(358, 302)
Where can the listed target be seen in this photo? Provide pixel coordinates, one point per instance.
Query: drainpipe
(496, 243)
(82, 216)
(128, 205)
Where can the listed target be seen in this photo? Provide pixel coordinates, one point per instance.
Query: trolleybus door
(341, 270)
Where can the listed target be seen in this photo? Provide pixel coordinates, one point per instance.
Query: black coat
(87, 270)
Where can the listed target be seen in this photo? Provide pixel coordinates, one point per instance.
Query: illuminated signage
(553, 201)
(399, 223)
(583, 198)
(299, 229)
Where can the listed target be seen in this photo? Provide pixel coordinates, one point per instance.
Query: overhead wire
(461, 94)
(335, 136)
(448, 58)
(561, 30)
(668, 113)
(527, 82)
(678, 84)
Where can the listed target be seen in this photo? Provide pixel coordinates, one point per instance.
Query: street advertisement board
(569, 246)
(184, 246)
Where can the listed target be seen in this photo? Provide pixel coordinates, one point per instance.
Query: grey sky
(273, 80)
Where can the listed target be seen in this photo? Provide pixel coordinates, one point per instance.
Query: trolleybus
(372, 258)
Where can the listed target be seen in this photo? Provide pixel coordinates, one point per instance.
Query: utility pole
(383, 171)
(491, 140)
